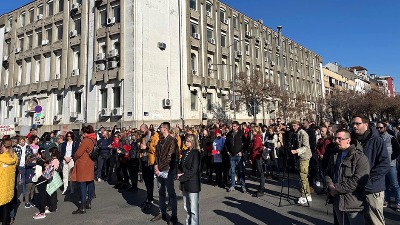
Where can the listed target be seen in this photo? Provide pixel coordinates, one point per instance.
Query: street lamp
(282, 73)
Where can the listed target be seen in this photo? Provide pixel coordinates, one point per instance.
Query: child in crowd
(30, 185)
(55, 164)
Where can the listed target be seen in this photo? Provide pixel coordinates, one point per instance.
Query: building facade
(106, 62)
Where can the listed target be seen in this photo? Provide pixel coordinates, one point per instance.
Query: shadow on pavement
(234, 218)
(310, 219)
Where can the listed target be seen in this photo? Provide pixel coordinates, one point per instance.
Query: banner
(7, 130)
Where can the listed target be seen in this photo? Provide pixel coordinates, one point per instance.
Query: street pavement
(114, 207)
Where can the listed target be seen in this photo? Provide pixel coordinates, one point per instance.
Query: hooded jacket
(8, 167)
(374, 148)
(351, 179)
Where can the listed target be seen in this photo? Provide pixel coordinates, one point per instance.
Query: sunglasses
(379, 128)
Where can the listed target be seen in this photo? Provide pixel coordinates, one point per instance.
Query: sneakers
(309, 197)
(27, 205)
(231, 189)
(397, 207)
(304, 200)
(39, 216)
(48, 211)
(99, 180)
(244, 189)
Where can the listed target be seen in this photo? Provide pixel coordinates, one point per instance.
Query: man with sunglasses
(374, 148)
(392, 183)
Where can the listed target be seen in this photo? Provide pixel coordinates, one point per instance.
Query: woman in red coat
(83, 171)
(256, 148)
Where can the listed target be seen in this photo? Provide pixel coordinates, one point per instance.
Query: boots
(88, 204)
(81, 210)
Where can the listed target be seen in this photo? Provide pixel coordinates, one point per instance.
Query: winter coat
(190, 180)
(167, 150)
(234, 143)
(351, 179)
(8, 168)
(374, 148)
(75, 146)
(256, 148)
(303, 144)
(151, 147)
(84, 166)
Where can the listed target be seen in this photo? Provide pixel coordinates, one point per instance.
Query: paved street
(217, 207)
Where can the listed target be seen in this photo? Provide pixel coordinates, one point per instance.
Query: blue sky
(349, 32)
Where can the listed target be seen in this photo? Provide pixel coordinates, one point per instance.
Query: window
(103, 93)
(59, 104)
(223, 40)
(224, 70)
(193, 28)
(77, 24)
(209, 101)
(20, 107)
(193, 62)
(236, 45)
(40, 9)
(8, 109)
(77, 57)
(209, 64)
(19, 78)
(30, 41)
(78, 102)
(60, 32)
(117, 97)
(8, 47)
(28, 72)
(209, 33)
(193, 100)
(22, 18)
(246, 26)
(47, 67)
(235, 22)
(50, 10)
(193, 4)
(10, 22)
(31, 15)
(49, 34)
(117, 13)
(257, 53)
(37, 71)
(209, 8)
(60, 5)
(247, 48)
(103, 18)
(21, 43)
(58, 63)
(222, 15)
(39, 38)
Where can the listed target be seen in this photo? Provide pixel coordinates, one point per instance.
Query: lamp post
(282, 73)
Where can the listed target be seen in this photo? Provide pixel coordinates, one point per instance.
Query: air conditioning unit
(5, 85)
(196, 36)
(101, 57)
(162, 45)
(209, 66)
(113, 53)
(16, 120)
(211, 41)
(117, 112)
(105, 112)
(17, 83)
(75, 72)
(45, 42)
(257, 39)
(166, 103)
(204, 116)
(58, 76)
(5, 58)
(239, 53)
(36, 81)
(266, 42)
(278, 48)
(112, 64)
(272, 63)
(57, 118)
(208, 13)
(100, 67)
(73, 33)
(73, 114)
(110, 21)
(247, 52)
(17, 50)
(226, 21)
(194, 72)
(40, 16)
(298, 70)
(7, 29)
(247, 33)
(75, 6)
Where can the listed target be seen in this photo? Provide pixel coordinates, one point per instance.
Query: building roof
(358, 68)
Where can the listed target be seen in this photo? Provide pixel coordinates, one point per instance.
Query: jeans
(348, 218)
(167, 183)
(239, 160)
(373, 209)
(102, 160)
(148, 178)
(86, 189)
(392, 185)
(21, 179)
(191, 206)
(260, 168)
(67, 168)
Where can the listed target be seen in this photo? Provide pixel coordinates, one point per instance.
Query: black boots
(89, 204)
(81, 210)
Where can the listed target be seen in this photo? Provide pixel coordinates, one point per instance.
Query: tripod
(286, 170)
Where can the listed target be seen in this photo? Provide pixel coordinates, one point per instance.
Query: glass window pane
(117, 97)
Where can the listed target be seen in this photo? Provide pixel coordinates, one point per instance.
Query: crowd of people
(355, 163)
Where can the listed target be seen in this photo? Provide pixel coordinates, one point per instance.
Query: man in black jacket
(234, 146)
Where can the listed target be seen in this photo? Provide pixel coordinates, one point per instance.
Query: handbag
(54, 184)
(95, 152)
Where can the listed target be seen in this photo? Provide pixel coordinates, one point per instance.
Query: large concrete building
(107, 62)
